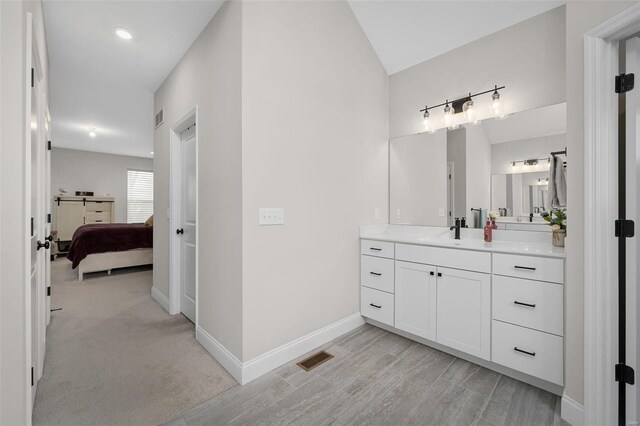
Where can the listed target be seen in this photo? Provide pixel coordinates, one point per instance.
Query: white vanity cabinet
(464, 311)
(415, 299)
(506, 309)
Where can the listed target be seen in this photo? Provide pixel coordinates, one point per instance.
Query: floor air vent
(315, 360)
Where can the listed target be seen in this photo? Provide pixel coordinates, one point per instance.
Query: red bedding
(105, 237)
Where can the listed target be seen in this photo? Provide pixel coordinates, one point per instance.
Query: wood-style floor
(380, 378)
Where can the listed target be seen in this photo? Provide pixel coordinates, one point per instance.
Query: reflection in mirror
(501, 165)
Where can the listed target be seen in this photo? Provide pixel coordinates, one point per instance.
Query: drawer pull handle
(375, 306)
(98, 211)
(517, 349)
(530, 305)
(377, 274)
(527, 268)
(375, 249)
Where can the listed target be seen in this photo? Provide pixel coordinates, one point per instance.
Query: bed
(103, 247)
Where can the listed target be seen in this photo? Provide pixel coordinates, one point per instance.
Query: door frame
(175, 201)
(601, 55)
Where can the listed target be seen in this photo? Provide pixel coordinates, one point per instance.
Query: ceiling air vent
(159, 118)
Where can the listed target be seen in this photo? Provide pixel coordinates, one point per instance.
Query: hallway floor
(383, 379)
(114, 356)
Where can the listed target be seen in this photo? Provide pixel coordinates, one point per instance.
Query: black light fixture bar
(457, 103)
(556, 153)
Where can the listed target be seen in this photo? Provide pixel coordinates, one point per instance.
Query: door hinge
(624, 228)
(49, 145)
(624, 83)
(625, 374)
(32, 77)
(49, 291)
(32, 225)
(32, 382)
(48, 217)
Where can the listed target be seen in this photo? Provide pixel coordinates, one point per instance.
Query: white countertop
(510, 242)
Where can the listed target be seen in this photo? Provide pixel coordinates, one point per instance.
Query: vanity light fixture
(467, 105)
(529, 162)
(426, 121)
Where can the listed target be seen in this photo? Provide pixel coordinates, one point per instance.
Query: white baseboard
(571, 411)
(220, 353)
(160, 298)
(244, 372)
(273, 359)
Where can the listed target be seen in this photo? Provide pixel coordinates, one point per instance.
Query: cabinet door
(69, 216)
(464, 311)
(415, 299)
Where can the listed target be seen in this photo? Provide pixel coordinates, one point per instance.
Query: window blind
(139, 195)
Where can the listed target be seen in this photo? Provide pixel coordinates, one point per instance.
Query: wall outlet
(441, 212)
(271, 216)
(376, 214)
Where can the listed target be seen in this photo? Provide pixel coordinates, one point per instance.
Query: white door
(633, 208)
(415, 299)
(187, 230)
(37, 148)
(464, 311)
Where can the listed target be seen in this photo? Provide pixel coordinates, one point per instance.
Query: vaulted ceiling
(100, 81)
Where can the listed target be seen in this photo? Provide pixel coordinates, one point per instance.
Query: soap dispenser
(488, 232)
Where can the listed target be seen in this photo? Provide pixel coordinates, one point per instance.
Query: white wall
(581, 17)
(502, 154)
(418, 165)
(315, 135)
(478, 177)
(15, 295)
(529, 58)
(457, 154)
(104, 174)
(209, 76)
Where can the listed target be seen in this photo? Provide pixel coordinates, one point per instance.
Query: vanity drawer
(376, 305)
(98, 217)
(450, 258)
(376, 272)
(377, 248)
(98, 206)
(532, 352)
(531, 267)
(531, 304)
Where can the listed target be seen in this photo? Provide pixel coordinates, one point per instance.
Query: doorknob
(49, 238)
(44, 245)
(179, 231)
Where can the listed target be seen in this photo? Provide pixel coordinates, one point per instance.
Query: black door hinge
(32, 382)
(33, 82)
(49, 145)
(48, 217)
(49, 291)
(624, 83)
(625, 374)
(32, 225)
(624, 228)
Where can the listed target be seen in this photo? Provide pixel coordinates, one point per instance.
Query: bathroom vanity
(499, 304)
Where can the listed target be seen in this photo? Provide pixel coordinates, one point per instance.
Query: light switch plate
(271, 216)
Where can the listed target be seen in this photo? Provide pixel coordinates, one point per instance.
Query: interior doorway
(184, 216)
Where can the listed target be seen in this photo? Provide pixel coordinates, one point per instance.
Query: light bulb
(448, 116)
(92, 132)
(496, 104)
(426, 121)
(470, 112)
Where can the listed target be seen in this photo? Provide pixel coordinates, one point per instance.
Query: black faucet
(530, 217)
(457, 228)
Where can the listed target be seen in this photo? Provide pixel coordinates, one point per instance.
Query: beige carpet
(114, 356)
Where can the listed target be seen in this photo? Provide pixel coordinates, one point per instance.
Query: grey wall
(209, 76)
(75, 170)
(529, 58)
(581, 17)
(457, 154)
(315, 117)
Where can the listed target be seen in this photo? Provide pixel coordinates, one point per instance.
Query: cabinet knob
(179, 231)
(432, 273)
(439, 274)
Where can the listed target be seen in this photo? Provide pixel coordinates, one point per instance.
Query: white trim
(600, 192)
(160, 298)
(245, 372)
(572, 411)
(220, 353)
(273, 359)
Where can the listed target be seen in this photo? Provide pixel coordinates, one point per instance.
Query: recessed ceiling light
(122, 33)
